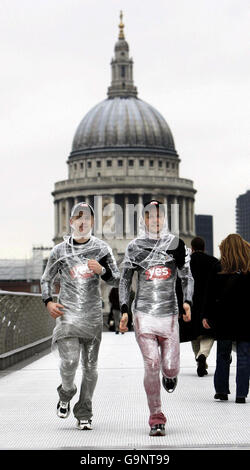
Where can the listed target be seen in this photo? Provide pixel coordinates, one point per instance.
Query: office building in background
(243, 215)
(204, 229)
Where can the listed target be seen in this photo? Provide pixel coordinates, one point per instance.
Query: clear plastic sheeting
(79, 286)
(160, 326)
(157, 262)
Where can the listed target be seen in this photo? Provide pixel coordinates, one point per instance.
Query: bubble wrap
(79, 286)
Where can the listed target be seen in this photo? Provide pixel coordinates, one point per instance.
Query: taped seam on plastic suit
(79, 330)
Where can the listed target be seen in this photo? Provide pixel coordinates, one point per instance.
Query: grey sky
(191, 62)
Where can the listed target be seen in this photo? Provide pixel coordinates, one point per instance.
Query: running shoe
(63, 409)
(169, 384)
(84, 424)
(157, 430)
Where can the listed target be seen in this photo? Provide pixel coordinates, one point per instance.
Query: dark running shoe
(169, 384)
(221, 396)
(157, 430)
(202, 366)
(63, 409)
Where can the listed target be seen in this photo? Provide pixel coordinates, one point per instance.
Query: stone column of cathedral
(56, 218)
(190, 216)
(126, 229)
(175, 216)
(184, 221)
(67, 215)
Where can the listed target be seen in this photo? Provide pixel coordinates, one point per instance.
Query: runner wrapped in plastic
(156, 257)
(79, 286)
(157, 260)
(78, 330)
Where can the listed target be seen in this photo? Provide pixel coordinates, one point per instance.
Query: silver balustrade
(25, 327)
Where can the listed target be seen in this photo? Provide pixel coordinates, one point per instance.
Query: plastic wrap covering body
(79, 286)
(157, 263)
(70, 351)
(161, 353)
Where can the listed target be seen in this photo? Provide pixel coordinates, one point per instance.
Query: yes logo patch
(81, 271)
(158, 272)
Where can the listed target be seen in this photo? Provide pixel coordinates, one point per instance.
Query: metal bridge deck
(194, 419)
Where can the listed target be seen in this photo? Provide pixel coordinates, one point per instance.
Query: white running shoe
(84, 424)
(157, 430)
(63, 409)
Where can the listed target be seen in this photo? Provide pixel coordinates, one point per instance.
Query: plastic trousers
(70, 350)
(160, 353)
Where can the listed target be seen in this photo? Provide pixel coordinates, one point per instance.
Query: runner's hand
(54, 309)
(205, 324)
(123, 323)
(94, 266)
(187, 314)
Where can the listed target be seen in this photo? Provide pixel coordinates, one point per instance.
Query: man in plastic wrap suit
(156, 256)
(80, 261)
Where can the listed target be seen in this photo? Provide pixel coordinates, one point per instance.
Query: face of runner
(154, 220)
(82, 223)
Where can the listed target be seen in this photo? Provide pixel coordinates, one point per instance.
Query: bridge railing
(25, 327)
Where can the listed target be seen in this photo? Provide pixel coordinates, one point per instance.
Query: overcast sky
(191, 62)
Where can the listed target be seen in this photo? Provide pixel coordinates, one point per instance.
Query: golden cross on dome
(121, 26)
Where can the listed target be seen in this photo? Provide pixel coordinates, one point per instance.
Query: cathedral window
(141, 162)
(131, 163)
(89, 164)
(167, 164)
(123, 71)
(160, 164)
(98, 164)
(151, 163)
(120, 162)
(109, 163)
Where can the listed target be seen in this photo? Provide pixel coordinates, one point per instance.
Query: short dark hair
(80, 207)
(198, 244)
(154, 204)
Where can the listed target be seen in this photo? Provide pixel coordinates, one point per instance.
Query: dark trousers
(222, 371)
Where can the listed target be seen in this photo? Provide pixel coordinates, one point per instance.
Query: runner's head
(82, 220)
(154, 216)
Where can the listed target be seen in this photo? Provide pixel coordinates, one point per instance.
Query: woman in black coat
(227, 311)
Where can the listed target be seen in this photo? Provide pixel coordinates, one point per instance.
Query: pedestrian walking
(227, 311)
(115, 313)
(201, 265)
